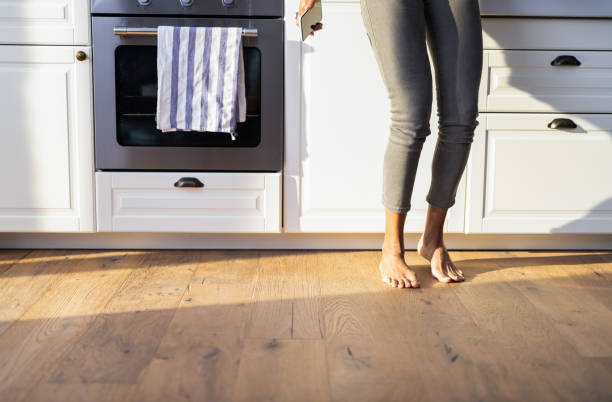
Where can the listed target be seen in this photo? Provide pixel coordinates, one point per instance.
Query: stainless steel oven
(125, 87)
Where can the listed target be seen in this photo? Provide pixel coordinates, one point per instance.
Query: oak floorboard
(565, 293)
(285, 300)
(51, 326)
(282, 370)
(303, 325)
(28, 278)
(198, 356)
(10, 257)
(125, 334)
(524, 336)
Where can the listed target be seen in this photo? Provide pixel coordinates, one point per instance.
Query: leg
(396, 29)
(393, 268)
(454, 37)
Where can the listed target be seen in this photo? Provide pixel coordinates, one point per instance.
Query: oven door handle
(140, 31)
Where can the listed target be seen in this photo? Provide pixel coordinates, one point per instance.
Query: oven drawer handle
(565, 60)
(131, 31)
(188, 182)
(562, 123)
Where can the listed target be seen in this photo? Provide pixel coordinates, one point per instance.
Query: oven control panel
(243, 8)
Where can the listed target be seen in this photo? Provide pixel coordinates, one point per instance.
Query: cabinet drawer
(546, 8)
(528, 178)
(152, 202)
(48, 22)
(525, 81)
(547, 33)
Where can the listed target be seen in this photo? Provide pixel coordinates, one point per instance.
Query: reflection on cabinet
(46, 144)
(47, 22)
(525, 177)
(337, 131)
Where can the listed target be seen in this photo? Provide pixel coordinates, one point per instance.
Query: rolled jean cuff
(438, 203)
(398, 209)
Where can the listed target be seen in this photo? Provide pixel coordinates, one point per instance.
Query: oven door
(125, 99)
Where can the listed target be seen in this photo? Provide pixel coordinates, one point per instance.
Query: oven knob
(144, 2)
(186, 3)
(227, 3)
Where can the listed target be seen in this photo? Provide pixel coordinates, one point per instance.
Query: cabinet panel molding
(46, 142)
(525, 81)
(44, 22)
(527, 178)
(226, 202)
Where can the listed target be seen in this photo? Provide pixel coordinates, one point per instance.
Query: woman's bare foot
(442, 268)
(395, 272)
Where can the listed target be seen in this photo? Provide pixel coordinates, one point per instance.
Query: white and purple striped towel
(200, 75)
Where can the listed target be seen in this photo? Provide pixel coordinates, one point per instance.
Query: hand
(306, 5)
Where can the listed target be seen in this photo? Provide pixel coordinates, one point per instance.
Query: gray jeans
(400, 31)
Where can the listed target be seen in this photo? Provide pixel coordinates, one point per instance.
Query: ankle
(433, 240)
(392, 250)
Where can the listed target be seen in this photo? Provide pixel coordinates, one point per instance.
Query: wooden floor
(264, 325)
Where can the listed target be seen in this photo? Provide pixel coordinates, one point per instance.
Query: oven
(125, 87)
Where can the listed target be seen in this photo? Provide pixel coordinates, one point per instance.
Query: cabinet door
(46, 142)
(337, 128)
(47, 22)
(527, 178)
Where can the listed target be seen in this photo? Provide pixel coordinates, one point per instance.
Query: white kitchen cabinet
(525, 81)
(547, 33)
(46, 142)
(44, 22)
(525, 177)
(548, 8)
(219, 202)
(337, 128)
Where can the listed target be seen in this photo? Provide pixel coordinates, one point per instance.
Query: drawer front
(152, 202)
(46, 22)
(547, 33)
(525, 81)
(535, 179)
(546, 8)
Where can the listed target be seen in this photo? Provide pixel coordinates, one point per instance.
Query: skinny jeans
(400, 33)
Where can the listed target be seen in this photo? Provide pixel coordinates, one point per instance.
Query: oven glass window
(136, 91)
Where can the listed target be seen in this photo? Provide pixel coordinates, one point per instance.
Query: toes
(450, 273)
(394, 283)
(460, 273)
(412, 280)
(454, 273)
(440, 276)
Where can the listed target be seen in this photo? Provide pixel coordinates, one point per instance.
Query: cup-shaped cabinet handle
(565, 60)
(192, 182)
(562, 123)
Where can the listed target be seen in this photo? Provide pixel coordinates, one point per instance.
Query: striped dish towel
(200, 75)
